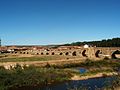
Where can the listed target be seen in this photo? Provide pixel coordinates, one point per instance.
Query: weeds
(30, 76)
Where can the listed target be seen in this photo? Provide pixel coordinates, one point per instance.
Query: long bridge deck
(91, 52)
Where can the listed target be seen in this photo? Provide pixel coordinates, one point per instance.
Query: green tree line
(114, 42)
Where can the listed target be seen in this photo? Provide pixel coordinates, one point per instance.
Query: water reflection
(82, 70)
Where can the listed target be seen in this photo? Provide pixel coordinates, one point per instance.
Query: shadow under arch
(97, 53)
(23, 52)
(15, 52)
(61, 53)
(74, 53)
(113, 56)
(47, 53)
(67, 53)
(42, 53)
(53, 53)
(84, 53)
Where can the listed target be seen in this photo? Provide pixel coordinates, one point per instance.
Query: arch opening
(23, 52)
(74, 53)
(66, 53)
(53, 53)
(97, 53)
(61, 53)
(115, 53)
(84, 53)
(47, 53)
(42, 53)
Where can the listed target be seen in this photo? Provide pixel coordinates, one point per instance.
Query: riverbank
(31, 76)
(20, 76)
(98, 75)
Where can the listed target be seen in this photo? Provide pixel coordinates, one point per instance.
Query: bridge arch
(61, 53)
(23, 52)
(47, 53)
(114, 54)
(42, 53)
(97, 53)
(74, 53)
(53, 53)
(67, 53)
(84, 53)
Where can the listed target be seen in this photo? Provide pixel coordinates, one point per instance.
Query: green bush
(30, 76)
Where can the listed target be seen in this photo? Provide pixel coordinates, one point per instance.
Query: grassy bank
(34, 76)
(31, 76)
(34, 58)
(49, 74)
(114, 64)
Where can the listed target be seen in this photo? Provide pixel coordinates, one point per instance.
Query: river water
(90, 84)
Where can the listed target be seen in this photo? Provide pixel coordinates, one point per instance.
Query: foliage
(30, 76)
(114, 42)
(89, 63)
(33, 76)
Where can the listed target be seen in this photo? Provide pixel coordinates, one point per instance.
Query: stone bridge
(91, 52)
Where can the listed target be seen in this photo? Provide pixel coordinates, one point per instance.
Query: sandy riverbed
(77, 77)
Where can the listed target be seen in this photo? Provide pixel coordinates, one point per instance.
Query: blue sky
(28, 22)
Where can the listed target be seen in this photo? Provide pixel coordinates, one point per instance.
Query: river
(90, 84)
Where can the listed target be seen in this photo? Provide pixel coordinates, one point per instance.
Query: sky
(42, 22)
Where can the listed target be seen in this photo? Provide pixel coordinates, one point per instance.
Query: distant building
(86, 46)
(68, 47)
